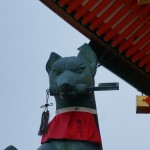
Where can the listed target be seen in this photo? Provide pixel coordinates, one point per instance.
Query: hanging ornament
(45, 115)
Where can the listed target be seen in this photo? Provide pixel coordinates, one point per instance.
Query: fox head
(68, 73)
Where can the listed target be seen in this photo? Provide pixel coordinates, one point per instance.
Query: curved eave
(122, 27)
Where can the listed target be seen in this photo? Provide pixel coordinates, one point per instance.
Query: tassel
(44, 122)
(45, 116)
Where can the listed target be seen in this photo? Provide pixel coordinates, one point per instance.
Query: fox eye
(79, 70)
(56, 72)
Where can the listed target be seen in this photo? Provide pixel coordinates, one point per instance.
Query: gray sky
(29, 32)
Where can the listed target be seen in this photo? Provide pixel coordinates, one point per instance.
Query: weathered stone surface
(68, 77)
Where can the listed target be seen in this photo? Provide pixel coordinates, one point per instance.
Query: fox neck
(82, 101)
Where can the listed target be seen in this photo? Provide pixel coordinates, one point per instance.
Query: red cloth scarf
(80, 126)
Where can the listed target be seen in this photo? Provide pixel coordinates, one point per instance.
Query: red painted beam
(117, 28)
(126, 32)
(73, 5)
(147, 67)
(91, 15)
(141, 53)
(134, 36)
(107, 13)
(112, 21)
(63, 2)
(85, 9)
(138, 45)
(144, 60)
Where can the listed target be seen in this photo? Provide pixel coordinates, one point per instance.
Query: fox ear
(89, 56)
(52, 59)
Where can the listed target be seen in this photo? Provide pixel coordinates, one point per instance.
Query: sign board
(143, 104)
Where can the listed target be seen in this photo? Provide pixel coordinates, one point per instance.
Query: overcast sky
(29, 32)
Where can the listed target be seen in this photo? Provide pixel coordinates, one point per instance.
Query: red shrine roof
(120, 26)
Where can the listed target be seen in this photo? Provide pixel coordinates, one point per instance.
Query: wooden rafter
(121, 26)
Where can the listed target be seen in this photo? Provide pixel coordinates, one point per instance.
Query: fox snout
(66, 87)
(66, 81)
(66, 90)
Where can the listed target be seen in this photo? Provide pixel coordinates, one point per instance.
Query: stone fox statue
(75, 126)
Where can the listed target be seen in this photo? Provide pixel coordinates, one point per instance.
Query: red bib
(80, 126)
